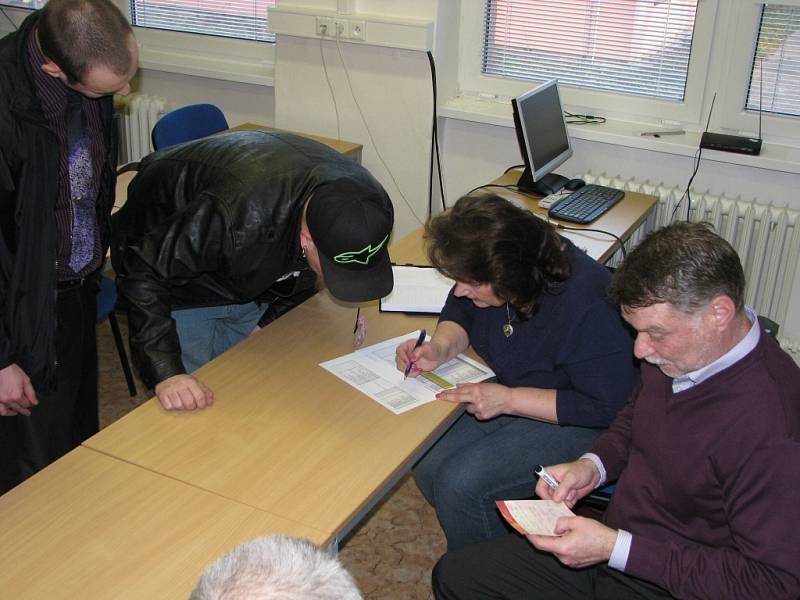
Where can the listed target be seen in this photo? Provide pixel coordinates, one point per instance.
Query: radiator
(766, 237)
(138, 113)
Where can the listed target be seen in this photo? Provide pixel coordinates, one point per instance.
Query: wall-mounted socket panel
(340, 28)
(377, 30)
(324, 26)
(356, 30)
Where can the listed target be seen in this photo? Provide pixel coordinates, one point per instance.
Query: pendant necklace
(508, 330)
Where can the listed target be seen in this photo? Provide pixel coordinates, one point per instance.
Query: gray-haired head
(276, 568)
(684, 264)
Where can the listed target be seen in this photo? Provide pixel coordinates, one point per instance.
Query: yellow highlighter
(437, 380)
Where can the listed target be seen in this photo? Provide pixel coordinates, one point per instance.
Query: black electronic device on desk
(586, 204)
(542, 137)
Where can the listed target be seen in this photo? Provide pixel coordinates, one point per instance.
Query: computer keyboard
(586, 204)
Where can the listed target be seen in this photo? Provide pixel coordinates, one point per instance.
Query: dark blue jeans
(478, 462)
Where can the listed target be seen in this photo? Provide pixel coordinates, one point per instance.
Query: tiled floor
(390, 554)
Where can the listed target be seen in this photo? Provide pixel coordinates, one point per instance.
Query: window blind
(242, 19)
(638, 47)
(776, 62)
(23, 3)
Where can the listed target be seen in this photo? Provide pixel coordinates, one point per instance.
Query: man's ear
(722, 310)
(306, 241)
(53, 70)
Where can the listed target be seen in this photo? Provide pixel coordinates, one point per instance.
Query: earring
(303, 251)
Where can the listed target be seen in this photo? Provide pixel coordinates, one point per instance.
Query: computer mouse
(574, 184)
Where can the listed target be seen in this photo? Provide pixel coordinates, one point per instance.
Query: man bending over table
(223, 234)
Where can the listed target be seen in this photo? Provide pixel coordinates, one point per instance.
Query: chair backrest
(188, 123)
(106, 297)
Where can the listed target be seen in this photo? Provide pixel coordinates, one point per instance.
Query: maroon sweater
(709, 480)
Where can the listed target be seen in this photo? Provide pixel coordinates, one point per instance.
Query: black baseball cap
(350, 222)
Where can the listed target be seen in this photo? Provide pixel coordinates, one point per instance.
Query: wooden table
(284, 435)
(287, 437)
(91, 526)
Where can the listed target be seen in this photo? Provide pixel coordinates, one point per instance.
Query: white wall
(385, 105)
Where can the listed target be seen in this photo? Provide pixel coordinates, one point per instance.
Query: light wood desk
(285, 435)
(622, 220)
(91, 526)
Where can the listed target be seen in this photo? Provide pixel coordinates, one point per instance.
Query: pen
(410, 364)
(661, 132)
(548, 479)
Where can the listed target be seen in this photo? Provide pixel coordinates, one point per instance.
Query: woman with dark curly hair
(534, 307)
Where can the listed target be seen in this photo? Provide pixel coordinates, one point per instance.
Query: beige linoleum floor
(390, 554)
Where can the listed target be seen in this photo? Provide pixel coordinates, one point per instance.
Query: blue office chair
(188, 123)
(106, 301)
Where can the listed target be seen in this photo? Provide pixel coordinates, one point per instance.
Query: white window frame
(209, 56)
(729, 114)
(214, 57)
(616, 106)
(16, 14)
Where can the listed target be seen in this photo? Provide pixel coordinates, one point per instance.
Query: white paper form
(372, 371)
(417, 289)
(533, 516)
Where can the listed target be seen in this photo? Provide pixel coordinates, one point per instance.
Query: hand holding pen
(566, 482)
(410, 365)
(424, 357)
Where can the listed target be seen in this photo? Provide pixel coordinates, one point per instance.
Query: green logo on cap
(362, 256)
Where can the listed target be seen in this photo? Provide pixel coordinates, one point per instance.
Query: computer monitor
(542, 136)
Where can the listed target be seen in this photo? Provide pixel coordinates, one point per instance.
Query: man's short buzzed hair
(78, 35)
(684, 264)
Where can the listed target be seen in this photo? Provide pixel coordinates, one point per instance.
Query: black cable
(511, 168)
(687, 193)
(434, 143)
(492, 185)
(583, 119)
(615, 236)
(5, 14)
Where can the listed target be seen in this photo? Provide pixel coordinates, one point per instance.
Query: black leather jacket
(211, 222)
(28, 192)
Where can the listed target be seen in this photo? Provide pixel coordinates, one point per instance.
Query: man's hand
(425, 358)
(16, 392)
(575, 480)
(484, 400)
(183, 392)
(583, 542)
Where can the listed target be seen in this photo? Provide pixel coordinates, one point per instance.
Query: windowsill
(226, 59)
(225, 70)
(773, 157)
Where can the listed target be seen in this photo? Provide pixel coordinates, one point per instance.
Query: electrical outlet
(324, 26)
(356, 30)
(341, 28)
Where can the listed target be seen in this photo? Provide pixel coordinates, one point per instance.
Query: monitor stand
(549, 184)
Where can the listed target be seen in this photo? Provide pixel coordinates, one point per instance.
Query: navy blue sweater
(576, 343)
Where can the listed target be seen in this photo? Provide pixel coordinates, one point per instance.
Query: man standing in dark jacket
(57, 177)
(225, 233)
